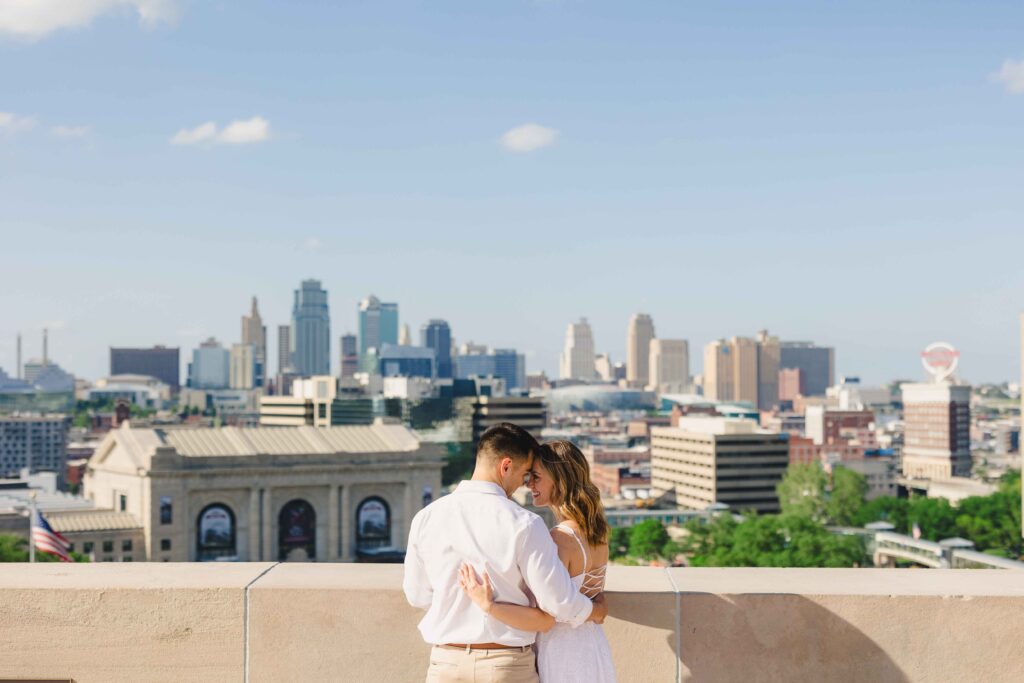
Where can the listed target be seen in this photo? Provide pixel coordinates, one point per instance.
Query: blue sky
(847, 172)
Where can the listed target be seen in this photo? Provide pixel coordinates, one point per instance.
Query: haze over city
(513, 166)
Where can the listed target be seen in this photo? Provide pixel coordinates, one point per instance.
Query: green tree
(647, 539)
(618, 542)
(885, 509)
(935, 517)
(802, 491)
(847, 496)
(993, 522)
(769, 541)
(15, 549)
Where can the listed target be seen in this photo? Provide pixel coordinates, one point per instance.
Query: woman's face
(541, 485)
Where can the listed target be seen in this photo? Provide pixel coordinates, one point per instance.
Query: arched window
(215, 533)
(373, 524)
(296, 532)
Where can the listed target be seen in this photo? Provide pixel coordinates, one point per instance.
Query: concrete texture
(350, 622)
(100, 623)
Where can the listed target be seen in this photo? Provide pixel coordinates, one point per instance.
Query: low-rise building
(326, 494)
(705, 461)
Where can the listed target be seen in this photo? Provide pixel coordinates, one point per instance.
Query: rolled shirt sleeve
(547, 577)
(416, 582)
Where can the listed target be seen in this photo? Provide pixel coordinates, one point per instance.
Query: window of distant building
(165, 544)
(166, 510)
(126, 545)
(87, 547)
(122, 502)
(215, 535)
(108, 546)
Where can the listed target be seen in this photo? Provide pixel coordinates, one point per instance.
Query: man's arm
(416, 582)
(548, 578)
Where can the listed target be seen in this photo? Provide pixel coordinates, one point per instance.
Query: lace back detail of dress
(593, 578)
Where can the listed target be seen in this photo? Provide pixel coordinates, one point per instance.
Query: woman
(560, 479)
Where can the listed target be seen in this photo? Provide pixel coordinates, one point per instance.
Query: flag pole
(31, 524)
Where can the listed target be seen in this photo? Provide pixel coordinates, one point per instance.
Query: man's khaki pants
(457, 664)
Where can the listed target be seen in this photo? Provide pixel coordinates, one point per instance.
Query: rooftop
(274, 622)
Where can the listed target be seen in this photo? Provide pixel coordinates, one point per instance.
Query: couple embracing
(495, 581)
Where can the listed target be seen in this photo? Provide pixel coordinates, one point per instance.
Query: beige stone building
(936, 430)
(638, 345)
(332, 494)
(705, 461)
(669, 365)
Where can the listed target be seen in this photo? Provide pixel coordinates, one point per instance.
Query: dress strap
(582, 547)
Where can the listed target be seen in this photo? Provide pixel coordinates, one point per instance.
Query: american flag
(916, 532)
(49, 541)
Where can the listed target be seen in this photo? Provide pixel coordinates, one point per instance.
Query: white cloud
(239, 132)
(528, 138)
(12, 123)
(256, 129)
(35, 18)
(312, 244)
(204, 132)
(1011, 75)
(70, 131)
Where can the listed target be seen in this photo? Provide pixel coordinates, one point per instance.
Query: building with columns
(332, 494)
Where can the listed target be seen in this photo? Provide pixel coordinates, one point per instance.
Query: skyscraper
(578, 355)
(160, 362)
(767, 370)
(378, 325)
(638, 348)
(349, 355)
(817, 363)
(255, 333)
(243, 366)
(936, 430)
(435, 334)
(669, 364)
(733, 370)
(284, 348)
(210, 366)
(404, 336)
(311, 330)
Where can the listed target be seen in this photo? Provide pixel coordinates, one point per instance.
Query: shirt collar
(470, 486)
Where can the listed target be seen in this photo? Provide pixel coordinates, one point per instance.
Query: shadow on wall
(773, 637)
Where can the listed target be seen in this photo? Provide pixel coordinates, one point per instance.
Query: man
(479, 524)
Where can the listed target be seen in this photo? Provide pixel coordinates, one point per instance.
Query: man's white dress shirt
(478, 524)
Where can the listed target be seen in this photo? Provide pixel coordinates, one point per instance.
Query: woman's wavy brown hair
(575, 495)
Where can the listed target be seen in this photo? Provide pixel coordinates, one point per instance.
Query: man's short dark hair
(506, 440)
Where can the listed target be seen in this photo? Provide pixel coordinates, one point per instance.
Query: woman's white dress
(577, 655)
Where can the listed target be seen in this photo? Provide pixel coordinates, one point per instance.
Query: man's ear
(505, 466)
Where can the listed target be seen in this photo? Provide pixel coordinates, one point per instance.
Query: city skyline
(823, 175)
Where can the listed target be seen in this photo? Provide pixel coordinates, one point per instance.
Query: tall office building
(669, 365)
(311, 330)
(603, 366)
(577, 360)
(160, 362)
(718, 371)
(817, 363)
(767, 370)
(34, 442)
(406, 361)
(743, 369)
(435, 334)
(706, 460)
(378, 325)
(255, 333)
(210, 365)
(404, 336)
(936, 430)
(479, 361)
(638, 343)
(243, 366)
(284, 349)
(349, 355)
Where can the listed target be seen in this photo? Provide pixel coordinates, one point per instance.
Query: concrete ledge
(124, 622)
(278, 622)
